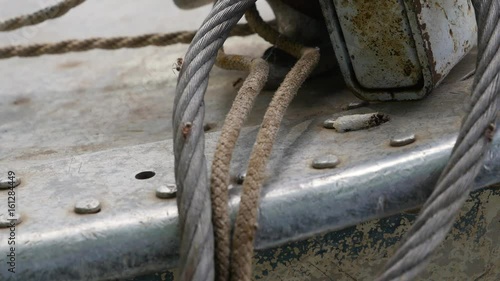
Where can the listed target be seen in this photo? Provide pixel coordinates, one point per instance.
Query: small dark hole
(208, 126)
(145, 175)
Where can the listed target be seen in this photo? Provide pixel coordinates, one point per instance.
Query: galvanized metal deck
(83, 125)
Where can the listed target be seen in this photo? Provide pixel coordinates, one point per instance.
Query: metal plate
(135, 232)
(471, 251)
(380, 43)
(394, 66)
(83, 125)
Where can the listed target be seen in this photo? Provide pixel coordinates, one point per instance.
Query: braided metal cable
(473, 142)
(193, 197)
(42, 15)
(157, 39)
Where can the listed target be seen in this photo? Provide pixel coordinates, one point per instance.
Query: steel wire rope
(193, 197)
(474, 140)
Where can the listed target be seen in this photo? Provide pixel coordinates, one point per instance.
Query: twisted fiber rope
(157, 39)
(193, 198)
(37, 17)
(472, 144)
(219, 181)
(271, 35)
(246, 220)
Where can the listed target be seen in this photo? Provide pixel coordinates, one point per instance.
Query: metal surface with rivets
(471, 251)
(93, 125)
(136, 233)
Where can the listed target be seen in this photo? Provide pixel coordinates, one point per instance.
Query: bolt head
(7, 221)
(329, 124)
(240, 178)
(87, 206)
(325, 161)
(166, 191)
(402, 140)
(6, 183)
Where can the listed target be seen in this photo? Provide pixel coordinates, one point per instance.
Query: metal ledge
(87, 123)
(136, 233)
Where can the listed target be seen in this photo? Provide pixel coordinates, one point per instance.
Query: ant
(177, 66)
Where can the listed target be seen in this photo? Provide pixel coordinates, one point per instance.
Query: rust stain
(142, 112)
(69, 104)
(455, 43)
(442, 9)
(110, 88)
(90, 147)
(428, 51)
(417, 6)
(21, 101)
(69, 64)
(408, 68)
(427, 43)
(35, 154)
(380, 29)
(186, 130)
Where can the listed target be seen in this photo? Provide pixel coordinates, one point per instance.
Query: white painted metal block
(398, 49)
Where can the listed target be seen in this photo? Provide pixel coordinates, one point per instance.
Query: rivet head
(87, 206)
(329, 123)
(402, 140)
(325, 161)
(6, 183)
(166, 191)
(8, 221)
(240, 178)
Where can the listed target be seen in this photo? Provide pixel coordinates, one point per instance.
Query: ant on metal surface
(177, 65)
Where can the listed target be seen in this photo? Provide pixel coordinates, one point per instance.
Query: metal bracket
(398, 50)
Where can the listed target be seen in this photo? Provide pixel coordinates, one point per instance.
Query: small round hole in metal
(145, 175)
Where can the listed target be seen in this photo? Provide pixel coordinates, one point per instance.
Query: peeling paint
(471, 250)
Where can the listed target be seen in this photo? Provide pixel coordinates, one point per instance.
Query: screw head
(402, 140)
(166, 191)
(240, 178)
(329, 124)
(6, 183)
(87, 206)
(325, 161)
(8, 221)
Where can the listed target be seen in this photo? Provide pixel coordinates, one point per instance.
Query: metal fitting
(402, 140)
(325, 161)
(87, 206)
(166, 191)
